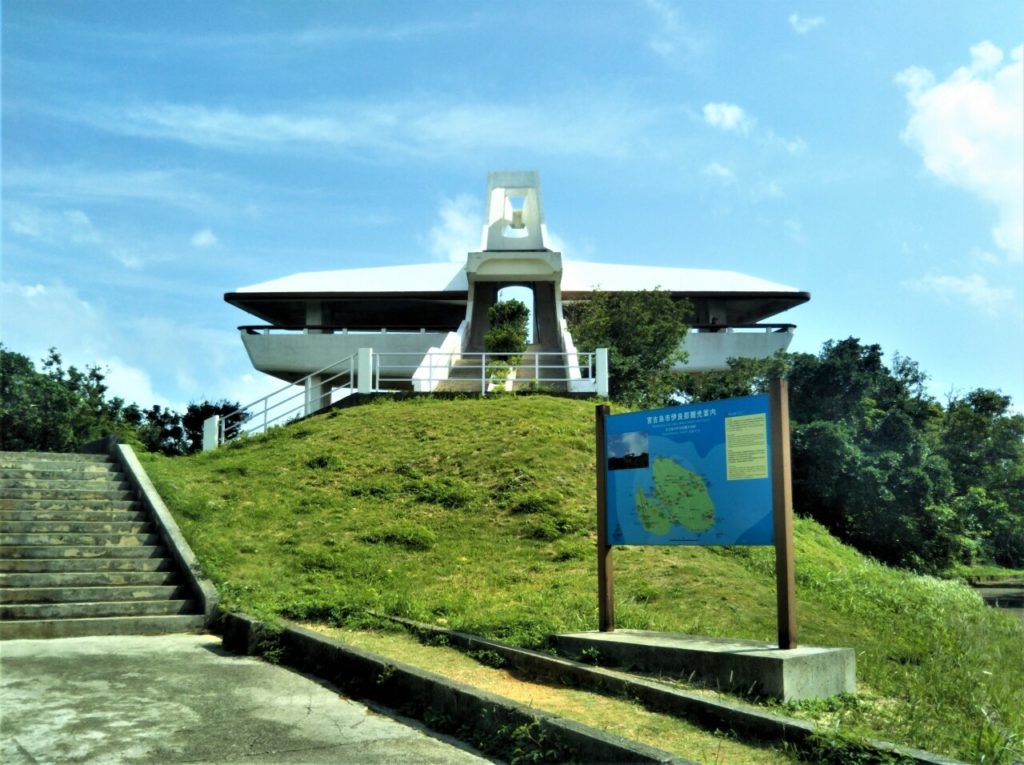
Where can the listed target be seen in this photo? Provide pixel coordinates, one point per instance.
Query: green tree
(62, 409)
(982, 439)
(196, 414)
(864, 458)
(884, 466)
(643, 332)
(34, 408)
(508, 332)
(55, 409)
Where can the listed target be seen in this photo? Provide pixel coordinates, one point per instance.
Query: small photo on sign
(628, 451)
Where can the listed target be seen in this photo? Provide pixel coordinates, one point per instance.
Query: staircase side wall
(168, 529)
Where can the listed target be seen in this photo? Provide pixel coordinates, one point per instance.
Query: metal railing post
(365, 370)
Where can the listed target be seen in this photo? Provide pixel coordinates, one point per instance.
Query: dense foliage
(61, 409)
(643, 332)
(884, 466)
(508, 332)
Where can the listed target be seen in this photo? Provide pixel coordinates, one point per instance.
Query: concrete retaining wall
(482, 719)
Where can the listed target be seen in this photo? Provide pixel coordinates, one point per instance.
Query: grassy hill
(479, 515)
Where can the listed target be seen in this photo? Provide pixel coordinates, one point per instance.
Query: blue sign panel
(690, 475)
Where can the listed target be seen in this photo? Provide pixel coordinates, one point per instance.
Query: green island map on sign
(679, 496)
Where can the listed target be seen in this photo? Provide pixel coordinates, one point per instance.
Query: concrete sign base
(743, 666)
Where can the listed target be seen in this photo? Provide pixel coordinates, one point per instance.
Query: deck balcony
(290, 353)
(710, 346)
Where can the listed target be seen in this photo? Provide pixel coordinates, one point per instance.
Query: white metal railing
(428, 371)
(314, 391)
(368, 372)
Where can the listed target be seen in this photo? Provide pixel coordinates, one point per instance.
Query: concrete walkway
(181, 698)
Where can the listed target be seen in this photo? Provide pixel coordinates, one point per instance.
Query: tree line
(876, 459)
(60, 409)
(882, 464)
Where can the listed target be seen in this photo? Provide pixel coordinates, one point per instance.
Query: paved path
(181, 698)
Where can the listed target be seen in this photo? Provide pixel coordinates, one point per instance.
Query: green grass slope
(479, 515)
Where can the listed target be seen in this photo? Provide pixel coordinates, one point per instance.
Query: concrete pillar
(211, 433)
(314, 316)
(601, 372)
(364, 372)
(317, 394)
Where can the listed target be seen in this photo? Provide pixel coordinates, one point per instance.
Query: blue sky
(159, 154)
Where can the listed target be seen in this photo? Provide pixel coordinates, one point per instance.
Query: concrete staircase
(79, 556)
(464, 377)
(544, 372)
(465, 374)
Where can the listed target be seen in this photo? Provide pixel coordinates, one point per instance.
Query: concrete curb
(490, 722)
(709, 713)
(168, 529)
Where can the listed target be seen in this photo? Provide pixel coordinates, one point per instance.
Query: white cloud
(790, 146)
(728, 117)
(458, 231)
(674, 37)
(975, 289)
(804, 24)
(574, 124)
(795, 231)
(969, 131)
(719, 172)
(769, 190)
(985, 257)
(731, 118)
(146, 361)
(204, 238)
(54, 227)
(71, 230)
(127, 257)
(74, 182)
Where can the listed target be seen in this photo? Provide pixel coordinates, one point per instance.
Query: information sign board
(690, 475)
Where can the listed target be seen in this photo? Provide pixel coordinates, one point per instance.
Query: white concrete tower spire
(515, 215)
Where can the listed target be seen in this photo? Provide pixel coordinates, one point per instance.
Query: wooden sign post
(782, 507)
(605, 586)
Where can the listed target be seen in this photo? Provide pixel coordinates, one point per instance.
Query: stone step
(82, 494)
(62, 552)
(112, 482)
(73, 527)
(19, 458)
(73, 579)
(63, 505)
(73, 515)
(67, 472)
(95, 609)
(93, 565)
(76, 540)
(91, 594)
(41, 629)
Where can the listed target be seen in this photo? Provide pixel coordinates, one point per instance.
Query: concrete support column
(601, 372)
(317, 394)
(314, 316)
(364, 372)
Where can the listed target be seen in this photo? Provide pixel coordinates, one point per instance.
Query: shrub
(411, 536)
